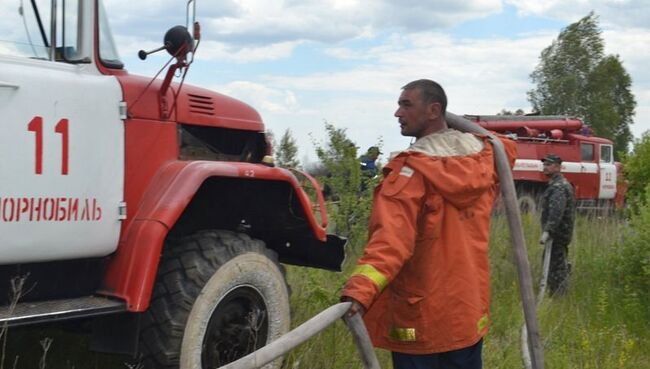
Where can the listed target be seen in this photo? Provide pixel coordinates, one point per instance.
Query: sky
(302, 63)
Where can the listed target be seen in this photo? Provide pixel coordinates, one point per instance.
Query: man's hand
(545, 236)
(355, 308)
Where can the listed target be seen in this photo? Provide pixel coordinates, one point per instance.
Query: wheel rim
(239, 325)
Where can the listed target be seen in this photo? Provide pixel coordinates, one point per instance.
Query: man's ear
(435, 110)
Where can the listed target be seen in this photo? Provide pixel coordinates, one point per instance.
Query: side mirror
(178, 42)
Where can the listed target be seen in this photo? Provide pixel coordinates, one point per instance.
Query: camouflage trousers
(559, 269)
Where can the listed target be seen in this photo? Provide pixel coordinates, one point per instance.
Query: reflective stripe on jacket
(424, 275)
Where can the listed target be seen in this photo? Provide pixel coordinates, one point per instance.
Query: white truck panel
(59, 213)
(607, 188)
(531, 165)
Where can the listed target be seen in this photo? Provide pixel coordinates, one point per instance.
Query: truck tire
(219, 295)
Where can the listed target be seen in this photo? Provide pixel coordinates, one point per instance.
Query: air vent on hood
(201, 104)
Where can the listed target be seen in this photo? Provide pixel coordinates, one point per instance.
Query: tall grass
(601, 323)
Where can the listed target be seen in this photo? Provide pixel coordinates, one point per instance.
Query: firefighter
(368, 162)
(558, 215)
(423, 280)
(369, 168)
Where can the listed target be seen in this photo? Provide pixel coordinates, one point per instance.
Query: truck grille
(201, 104)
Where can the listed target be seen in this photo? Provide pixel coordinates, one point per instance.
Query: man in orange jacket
(424, 276)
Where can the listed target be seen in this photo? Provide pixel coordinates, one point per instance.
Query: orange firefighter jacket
(424, 276)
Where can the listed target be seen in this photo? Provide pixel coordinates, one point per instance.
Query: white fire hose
(525, 353)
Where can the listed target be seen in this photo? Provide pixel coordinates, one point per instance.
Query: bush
(637, 171)
(349, 206)
(634, 259)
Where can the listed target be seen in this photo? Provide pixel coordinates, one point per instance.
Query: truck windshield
(50, 30)
(107, 50)
(25, 28)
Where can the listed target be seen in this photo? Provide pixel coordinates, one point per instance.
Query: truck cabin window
(30, 29)
(605, 154)
(25, 29)
(107, 50)
(587, 152)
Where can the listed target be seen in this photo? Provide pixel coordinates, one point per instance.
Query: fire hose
(534, 347)
(525, 354)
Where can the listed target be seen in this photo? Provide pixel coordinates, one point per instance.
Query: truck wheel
(219, 296)
(527, 203)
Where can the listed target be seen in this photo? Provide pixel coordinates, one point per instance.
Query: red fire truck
(588, 161)
(146, 205)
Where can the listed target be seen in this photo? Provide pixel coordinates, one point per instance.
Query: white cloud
(266, 99)
(480, 78)
(622, 13)
(257, 22)
(419, 15)
(211, 50)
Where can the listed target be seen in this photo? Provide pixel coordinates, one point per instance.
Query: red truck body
(588, 161)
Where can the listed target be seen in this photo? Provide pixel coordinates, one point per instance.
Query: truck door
(607, 170)
(62, 142)
(586, 178)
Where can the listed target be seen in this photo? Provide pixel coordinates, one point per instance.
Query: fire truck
(143, 205)
(587, 161)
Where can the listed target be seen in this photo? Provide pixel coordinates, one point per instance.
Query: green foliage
(285, 153)
(611, 102)
(349, 208)
(349, 205)
(600, 323)
(565, 66)
(634, 260)
(574, 77)
(637, 171)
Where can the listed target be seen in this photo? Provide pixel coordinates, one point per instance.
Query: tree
(637, 171)
(574, 77)
(349, 207)
(612, 102)
(285, 154)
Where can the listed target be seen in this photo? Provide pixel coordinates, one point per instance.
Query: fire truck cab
(145, 205)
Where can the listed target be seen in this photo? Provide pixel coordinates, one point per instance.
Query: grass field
(602, 322)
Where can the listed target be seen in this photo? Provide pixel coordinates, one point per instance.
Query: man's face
(415, 117)
(551, 168)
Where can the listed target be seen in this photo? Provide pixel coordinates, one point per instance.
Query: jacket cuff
(361, 289)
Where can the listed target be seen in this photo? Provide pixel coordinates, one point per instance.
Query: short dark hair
(431, 92)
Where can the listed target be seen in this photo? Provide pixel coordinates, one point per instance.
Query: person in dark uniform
(558, 216)
(369, 169)
(368, 162)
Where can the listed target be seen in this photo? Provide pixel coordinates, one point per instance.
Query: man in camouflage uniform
(558, 215)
